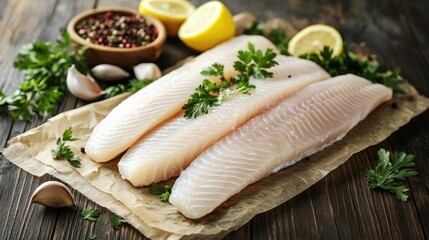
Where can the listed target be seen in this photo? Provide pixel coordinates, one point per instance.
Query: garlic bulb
(147, 71)
(242, 21)
(109, 72)
(53, 194)
(81, 86)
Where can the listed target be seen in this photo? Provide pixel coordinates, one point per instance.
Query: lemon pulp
(313, 38)
(172, 13)
(207, 26)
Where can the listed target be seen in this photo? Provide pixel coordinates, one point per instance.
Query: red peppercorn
(117, 30)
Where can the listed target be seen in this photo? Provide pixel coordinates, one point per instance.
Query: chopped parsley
(162, 191)
(116, 221)
(90, 214)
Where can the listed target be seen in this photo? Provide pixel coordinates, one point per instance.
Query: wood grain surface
(340, 206)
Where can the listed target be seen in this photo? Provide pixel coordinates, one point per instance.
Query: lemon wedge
(313, 38)
(172, 13)
(209, 25)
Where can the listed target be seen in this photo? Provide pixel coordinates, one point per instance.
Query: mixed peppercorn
(115, 29)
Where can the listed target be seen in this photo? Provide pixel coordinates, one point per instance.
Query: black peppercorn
(117, 30)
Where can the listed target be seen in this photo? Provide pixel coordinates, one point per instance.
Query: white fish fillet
(169, 149)
(161, 99)
(312, 119)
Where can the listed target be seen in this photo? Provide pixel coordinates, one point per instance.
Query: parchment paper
(158, 220)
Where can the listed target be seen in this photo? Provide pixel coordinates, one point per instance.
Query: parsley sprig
(45, 68)
(90, 214)
(387, 173)
(276, 35)
(63, 151)
(133, 86)
(116, 221)
(162, 191)
(250, 63)
(346, 62)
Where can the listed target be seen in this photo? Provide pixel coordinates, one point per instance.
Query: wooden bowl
(122, 57)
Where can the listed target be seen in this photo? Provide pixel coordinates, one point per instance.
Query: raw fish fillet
(161, 100)
(169, 149)
(312, 119)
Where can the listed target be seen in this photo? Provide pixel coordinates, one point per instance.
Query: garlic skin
(108, 72)
(145, 71)
(81, 86)
(53, 194)
(242, 21)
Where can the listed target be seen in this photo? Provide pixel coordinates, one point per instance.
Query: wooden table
(339, 206)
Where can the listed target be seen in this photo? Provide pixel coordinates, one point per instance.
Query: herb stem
(250, 63)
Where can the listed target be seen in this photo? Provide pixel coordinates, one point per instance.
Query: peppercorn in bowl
(118, 36)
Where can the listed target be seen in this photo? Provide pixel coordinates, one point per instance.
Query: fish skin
(160, 100)
(169, 149)
(312, 119)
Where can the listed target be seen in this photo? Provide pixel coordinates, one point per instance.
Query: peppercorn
(117, 30)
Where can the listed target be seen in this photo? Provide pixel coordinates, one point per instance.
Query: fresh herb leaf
(32, 97)
(255, 29)
(68, 135)
(386, 173)
(348, 62)
(45, 68)
(214, 70)
(250, 63)
(114, 90)
(164, 196)
(280, 39)
(133, 86)
(277, 36)
(116, 221)
(202, 99)
(74, 161)
(62, 151)
(90, 214)
(162, 191)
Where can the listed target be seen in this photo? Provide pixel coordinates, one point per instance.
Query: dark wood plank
(15, 197)
(16, 32)
(414, 138)
(413, 51)
(34, 222)
(340, 206)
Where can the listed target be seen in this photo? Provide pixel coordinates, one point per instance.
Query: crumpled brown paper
(158, 220)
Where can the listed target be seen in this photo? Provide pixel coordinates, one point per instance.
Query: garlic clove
(242, 21)
(81, 86)
(53, 194)
(109, 72)
(145, 71)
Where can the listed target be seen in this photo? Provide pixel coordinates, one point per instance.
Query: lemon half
(313, 38)
(207, 26)
(172, 13)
